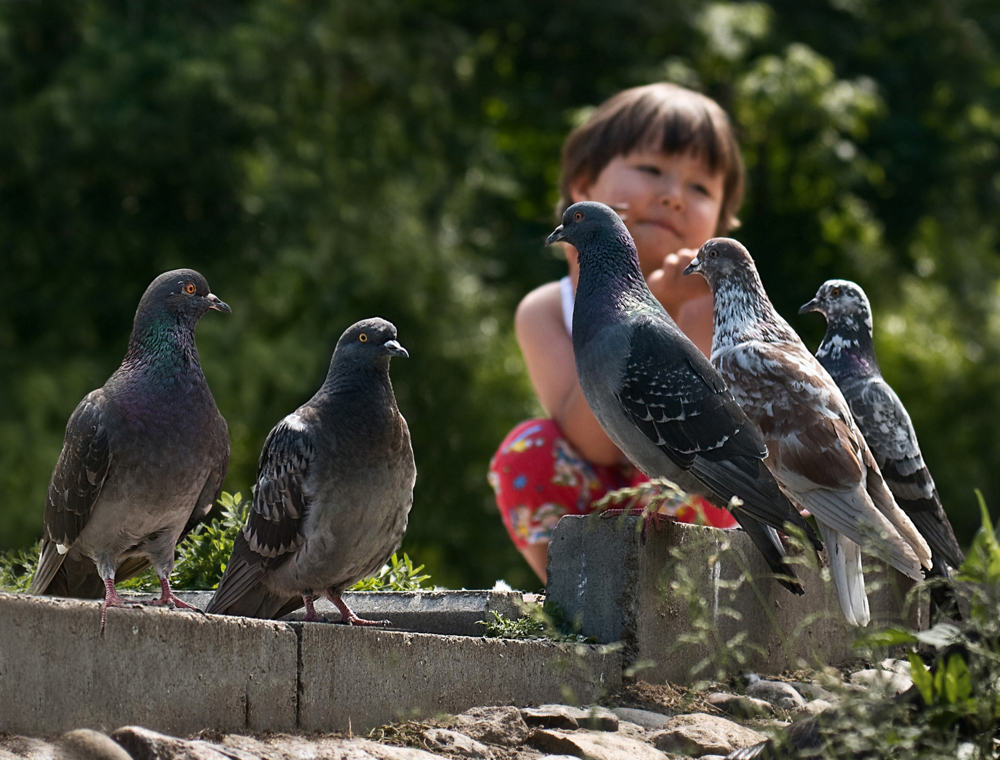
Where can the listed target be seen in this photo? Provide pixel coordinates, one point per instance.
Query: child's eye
(649, 169)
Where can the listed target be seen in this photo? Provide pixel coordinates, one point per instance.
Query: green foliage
(537, 623)
(396, 575)
(324, 162)
(17, 567)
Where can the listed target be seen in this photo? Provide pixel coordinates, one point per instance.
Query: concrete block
(450, 613)
(361, 678)
(616, 581)
(168, 670)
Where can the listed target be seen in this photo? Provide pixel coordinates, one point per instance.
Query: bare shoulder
(543, 303)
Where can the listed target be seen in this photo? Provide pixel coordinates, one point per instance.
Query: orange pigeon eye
(363, 338)
(190, 289)
(577, 216)
(835, 292)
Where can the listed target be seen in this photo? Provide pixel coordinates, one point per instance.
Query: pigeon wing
(273, 528)
(76, 484)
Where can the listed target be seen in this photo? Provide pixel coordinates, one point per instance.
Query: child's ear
(579, 190)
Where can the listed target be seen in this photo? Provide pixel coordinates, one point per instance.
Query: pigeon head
(719, 259)
(181, 295)
(368, 342)
(588, 221)
(843, 303)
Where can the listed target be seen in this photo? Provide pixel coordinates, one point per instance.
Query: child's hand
(669, 285)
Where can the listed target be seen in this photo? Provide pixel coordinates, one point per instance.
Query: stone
(454, 743)
(811, 709)
(739, 706)
(503, 725)
(778, 693)
(85, 744)
(700, 734)
(564, 716)
(592, 745)
(644, 718)
(143, 744)
(392, 752)
(25, 748)
(882, 682)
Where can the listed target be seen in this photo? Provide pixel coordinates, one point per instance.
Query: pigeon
(848, 354)
(334, 490)
(657, 396)
(818, 456)
(144, 456)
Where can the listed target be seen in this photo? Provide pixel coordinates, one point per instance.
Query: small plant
(396, 575)
(17, 567)
(537, 623)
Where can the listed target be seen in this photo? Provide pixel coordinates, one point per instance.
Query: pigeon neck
(164, 344)
(610, 283)
(743, 312)
(847, 348)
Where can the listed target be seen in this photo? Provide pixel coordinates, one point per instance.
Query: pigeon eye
(577, 216)
(190, 289)
(363, 338)
(835, 292)
(713, 254)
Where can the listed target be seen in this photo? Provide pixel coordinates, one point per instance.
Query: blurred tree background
(321, 162)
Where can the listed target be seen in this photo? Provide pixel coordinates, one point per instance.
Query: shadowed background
(324, 162)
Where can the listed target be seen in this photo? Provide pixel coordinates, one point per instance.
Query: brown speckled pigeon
(817, 454)
(334, 490)
(655, 393)
(144, 457)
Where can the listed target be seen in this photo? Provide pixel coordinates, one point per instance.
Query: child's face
(673, 201)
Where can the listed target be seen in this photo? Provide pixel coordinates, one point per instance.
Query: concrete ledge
(167, 670)
(452, 613)
(180, 672)
(616, 582)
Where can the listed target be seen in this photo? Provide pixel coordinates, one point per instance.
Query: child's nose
(670, 193)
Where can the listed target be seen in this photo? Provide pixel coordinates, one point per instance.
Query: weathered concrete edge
(180, 672)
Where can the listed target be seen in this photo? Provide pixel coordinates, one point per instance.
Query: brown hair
(667, 116)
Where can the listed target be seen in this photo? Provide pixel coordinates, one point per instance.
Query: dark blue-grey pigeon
(334, 490)
(848, 354)
(817, 455)
(657, 396)
(144, 457)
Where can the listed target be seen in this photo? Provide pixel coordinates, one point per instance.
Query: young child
(665, 157)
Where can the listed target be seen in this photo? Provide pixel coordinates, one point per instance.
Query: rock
(811, 709)
(25, 748)
(503, 726)
(644, 718)
(896, 666)
(739, 706)
(392, 752)
(143, 744)
(593, 745)
(454, 743)
(778, 693)
(882, 682)
(700, 734)
(570, 718)
(84, 744)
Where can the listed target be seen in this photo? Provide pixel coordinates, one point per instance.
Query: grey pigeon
(334, 490)
(848, 354)
(817, 454)
(144, 457)
(657, 396)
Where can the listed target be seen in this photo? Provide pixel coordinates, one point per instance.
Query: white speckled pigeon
(657, 396)
(334, 490)
(848, 354)
(144, 457)
(817, 455)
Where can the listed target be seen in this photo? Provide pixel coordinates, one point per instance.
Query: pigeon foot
(111, 599)
(347, 616)
(168, 598)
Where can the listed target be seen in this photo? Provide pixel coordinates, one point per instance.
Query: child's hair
(664, 116)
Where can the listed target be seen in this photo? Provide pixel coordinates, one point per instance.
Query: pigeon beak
(556, 236)
(393, 348)
(215, 303)
(694, 266)
(813, 305)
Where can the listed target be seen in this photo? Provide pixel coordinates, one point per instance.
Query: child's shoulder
(545, 301)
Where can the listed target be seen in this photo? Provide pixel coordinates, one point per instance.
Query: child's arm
(548, 353)
(688, 302)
